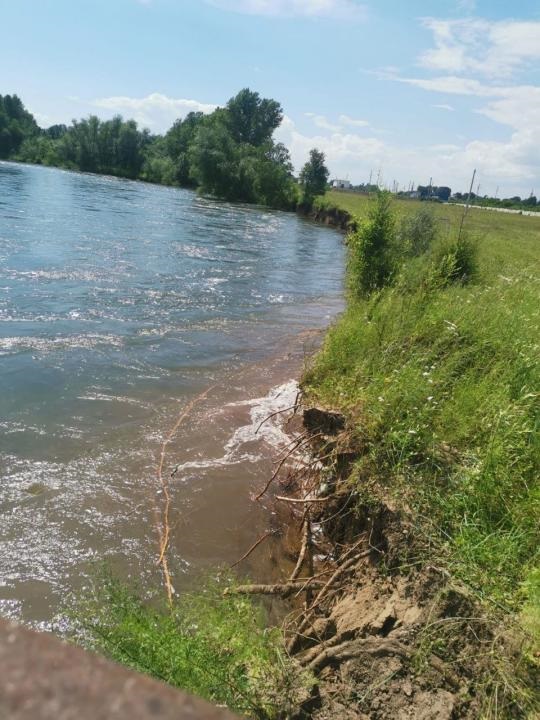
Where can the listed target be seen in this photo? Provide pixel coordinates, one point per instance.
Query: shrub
(417, 233)
(372, 249)
(457, 262)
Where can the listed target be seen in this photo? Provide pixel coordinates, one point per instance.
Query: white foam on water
(264, 428)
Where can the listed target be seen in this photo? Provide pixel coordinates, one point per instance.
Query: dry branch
(164, 529)
(255, 545)
(282, 589)
(306, 540)
(278, 412)
(304, 500)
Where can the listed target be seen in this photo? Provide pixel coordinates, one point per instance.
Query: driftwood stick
(282, 589)
(306, 537)
(163, 523)
(304, 500)
(280, 465)
(278, 412)
(255, 545)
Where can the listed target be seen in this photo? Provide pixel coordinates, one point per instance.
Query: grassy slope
(441, 388)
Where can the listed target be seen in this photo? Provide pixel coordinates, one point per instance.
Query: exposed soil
(391, 637)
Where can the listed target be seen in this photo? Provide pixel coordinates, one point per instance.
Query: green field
(509, 238)
(440, 384)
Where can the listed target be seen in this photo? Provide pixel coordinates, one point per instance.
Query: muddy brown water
(120, 303)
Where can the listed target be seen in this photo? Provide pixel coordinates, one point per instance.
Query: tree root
(374, 646)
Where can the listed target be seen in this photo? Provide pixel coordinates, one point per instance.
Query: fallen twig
(306, 540)
(164, 530)
(304, 500)
(374, 646)
(255, 545)
(283, 589)
(278, 412)
(278, 469)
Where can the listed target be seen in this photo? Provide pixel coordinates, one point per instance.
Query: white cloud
(444, 106)
(491, 48)
(450, 84)
(346, 120)
(156, 111)
(338, 9)
(321, 122)
(514, 161)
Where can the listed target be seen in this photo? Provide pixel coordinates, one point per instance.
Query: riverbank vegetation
(435, 365)
(215, 646)
(229, 153)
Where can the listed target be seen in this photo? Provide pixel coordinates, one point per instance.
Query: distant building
(341, 184)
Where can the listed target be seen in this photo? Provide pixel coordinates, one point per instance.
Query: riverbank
(430, 488)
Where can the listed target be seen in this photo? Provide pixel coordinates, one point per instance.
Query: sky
(406, 90)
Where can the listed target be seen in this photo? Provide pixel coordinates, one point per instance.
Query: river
(121, 302)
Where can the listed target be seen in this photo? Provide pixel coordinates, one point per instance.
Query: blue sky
(411, 89)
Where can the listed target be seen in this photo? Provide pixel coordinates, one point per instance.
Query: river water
(121, 302)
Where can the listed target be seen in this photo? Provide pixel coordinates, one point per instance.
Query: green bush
(372, 249)
(417, 232)
(457, 261)
(215, 646)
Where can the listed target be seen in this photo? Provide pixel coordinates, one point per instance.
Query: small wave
(114, 398)
(264, 428)
(13, 345)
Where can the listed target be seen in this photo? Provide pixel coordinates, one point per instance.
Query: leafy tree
(178, 141)
(16, 124)
(314, 176)
(252, 119)
(214, 159)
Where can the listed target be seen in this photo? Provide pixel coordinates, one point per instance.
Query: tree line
(229, 153)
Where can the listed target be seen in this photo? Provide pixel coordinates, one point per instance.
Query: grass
(218, 647)
(441, 386)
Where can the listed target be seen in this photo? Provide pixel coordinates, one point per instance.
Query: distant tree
(314, 176)
(273, 181)
(530, 201)
(215, 161)
(16, 124)
(178, 141)
(252, 119)
(443, 193)
(229, 153)
(55, 131)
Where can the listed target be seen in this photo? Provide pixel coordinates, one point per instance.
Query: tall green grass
(441, 383)
(217, 647)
